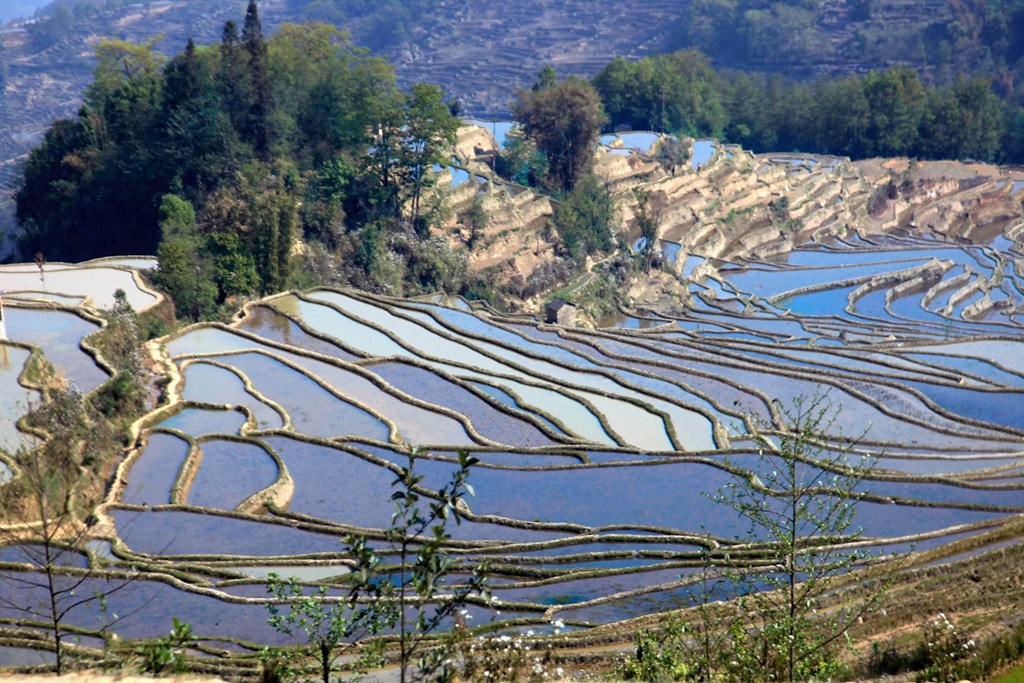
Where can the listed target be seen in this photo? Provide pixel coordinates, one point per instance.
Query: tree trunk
(325, 660)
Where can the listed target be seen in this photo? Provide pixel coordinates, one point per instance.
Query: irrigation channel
(597, 448)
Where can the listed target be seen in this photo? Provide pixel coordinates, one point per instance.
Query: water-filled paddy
(59, 335)
(155, 472)
(14, 399)
(490, 422)
(578, 472)
(23, 656)
(196, 422)
(334, 484)
(98, 283)
(641, 142)
(173, 532)
(269, 323)
(702, 152)
(209, 383)
(314, 410)
(142, 607)
(229, 472)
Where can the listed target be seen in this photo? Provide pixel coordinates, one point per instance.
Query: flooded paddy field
(600, 450)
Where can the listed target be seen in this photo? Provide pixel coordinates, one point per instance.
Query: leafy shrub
(672, 152)
(660, 655)
(167, 655)
(123, 395)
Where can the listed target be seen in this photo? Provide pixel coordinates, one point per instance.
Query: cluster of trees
(963, 36)
(554, 149)
(887, 113)
(217, 158)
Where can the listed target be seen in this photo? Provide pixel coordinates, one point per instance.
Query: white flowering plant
(947, 653)
(507, 657)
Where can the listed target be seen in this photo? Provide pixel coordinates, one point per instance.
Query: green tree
(614, 84)
(842, 116)
(674, 92)
(49, 194)
(896, 99)
(258, 126)
(385, 170)
(752, 103)
(965, 121)
(584, 218)
(232, 76)
(323, 210)
(119, 62)
(648, 219)
(546, 80)
(330, 92)
(273, 213)
(563, 121)
(198, 146)
(225, 222)
(690, 94)
(183, 271)
(799, 506)
(430, 133)
(330, 627)
(520, 161)
(476, 219)
(416, 588)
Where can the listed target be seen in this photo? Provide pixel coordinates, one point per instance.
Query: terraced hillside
(727, 203)
(282, 431)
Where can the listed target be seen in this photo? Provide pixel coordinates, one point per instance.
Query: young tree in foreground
(413, 597)
(419, 536)
(799, 506)
(41, 520)
(331, 627)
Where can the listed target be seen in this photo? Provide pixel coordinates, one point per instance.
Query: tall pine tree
(231, 76)
(258, 129)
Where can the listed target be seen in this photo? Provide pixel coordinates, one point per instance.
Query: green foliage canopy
(883, 113)
(563, 119)
(220, 157)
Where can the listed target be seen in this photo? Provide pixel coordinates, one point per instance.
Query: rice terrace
(601, 447)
